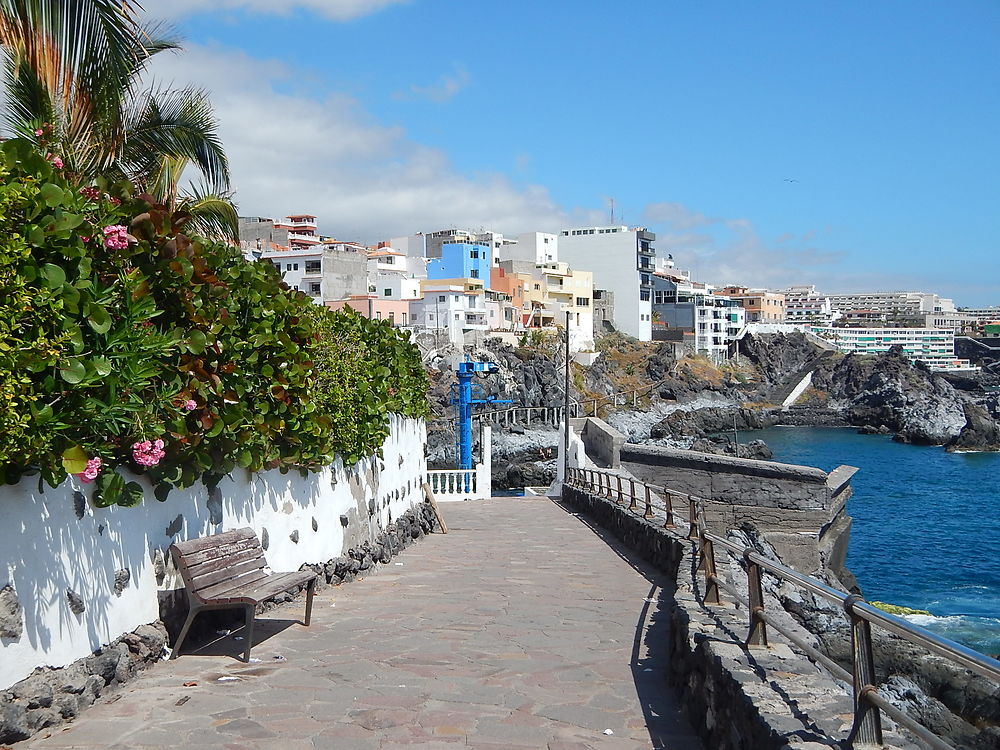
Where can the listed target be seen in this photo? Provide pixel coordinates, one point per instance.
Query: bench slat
(223, 562)
(223, 550)
(221, 591)
(200, 581)
(216, 540)
(264, 588)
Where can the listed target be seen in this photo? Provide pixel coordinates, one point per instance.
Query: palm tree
(73, 71)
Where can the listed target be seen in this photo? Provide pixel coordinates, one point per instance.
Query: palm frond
(173, 124)
(212, 214)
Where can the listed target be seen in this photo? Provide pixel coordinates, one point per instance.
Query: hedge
(125, 342)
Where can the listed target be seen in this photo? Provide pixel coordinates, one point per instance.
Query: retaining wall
(74, 578)
(799, 509)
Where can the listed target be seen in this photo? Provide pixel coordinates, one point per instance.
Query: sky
(850, 145)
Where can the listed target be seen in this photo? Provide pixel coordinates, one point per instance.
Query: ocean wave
(952, 620)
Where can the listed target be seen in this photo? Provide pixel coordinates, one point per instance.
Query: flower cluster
(148, 453)
(115, 237)
(89, 474)
(56, 161)
(190, 404)
(91, 193)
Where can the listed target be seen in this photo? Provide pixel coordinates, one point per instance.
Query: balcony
(302, 223)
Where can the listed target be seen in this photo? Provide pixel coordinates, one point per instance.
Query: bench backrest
(219, 563)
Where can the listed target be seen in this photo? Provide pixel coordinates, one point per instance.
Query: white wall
(46, 549)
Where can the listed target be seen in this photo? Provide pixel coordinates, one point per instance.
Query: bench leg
(192, 611)
(310, 590)
(248, 631)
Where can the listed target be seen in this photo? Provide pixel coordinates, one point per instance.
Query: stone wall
(735, 697)
(74, 577)
(799, 509)
(603, 442)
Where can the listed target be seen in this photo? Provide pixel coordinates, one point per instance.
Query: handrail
(641, 498)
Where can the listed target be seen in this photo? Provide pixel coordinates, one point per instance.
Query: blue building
(461, 260)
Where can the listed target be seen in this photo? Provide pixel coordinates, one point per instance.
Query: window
(644, 295)
(537, 287)
(277, 267)
(295, 266)
(392, 318)
(389, 260)
(387, 292)
(457, 298)
(378, 315)
(288, 266)
(474, 273)
(404, 319)
(456, 316)
(442, 298)
(473, 253)
(582, 302)
(314, 266)
(314, 288)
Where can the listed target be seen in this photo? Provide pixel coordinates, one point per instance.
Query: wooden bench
(227, 571)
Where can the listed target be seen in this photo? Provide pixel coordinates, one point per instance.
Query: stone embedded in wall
(265, 539)
(76, 605)
(174, 527)
(11, 617)
(215, 506)
(79, 504)
(122, 577)
(294, 536)
(315, 524)
(159, 565)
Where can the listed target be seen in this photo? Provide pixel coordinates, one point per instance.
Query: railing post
(668, 521)
(867, 729)
(693, 518)
(635, 399)
(755, 593)
(708, 566)
(621, 495)
(649, 504)
(631, 493)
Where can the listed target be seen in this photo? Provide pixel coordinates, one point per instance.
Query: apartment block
(622, 259)
(761, 305)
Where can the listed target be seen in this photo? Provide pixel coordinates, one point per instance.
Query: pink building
(373, 307)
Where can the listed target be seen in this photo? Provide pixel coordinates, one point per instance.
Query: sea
(926, 530)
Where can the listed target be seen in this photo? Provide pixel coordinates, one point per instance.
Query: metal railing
(553, 414)
(642, 498)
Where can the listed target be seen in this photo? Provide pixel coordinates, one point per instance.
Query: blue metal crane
(465, 399)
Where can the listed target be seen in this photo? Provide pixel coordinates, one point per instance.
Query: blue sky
(852, 145)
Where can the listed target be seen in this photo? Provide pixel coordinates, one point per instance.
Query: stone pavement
(521, 628)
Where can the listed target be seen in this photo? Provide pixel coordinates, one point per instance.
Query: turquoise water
(926, 528)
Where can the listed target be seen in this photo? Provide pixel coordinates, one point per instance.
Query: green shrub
(118, 328)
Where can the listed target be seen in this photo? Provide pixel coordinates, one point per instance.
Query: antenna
(612, 211)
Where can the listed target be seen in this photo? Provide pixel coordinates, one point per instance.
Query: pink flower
(89, 474)
(116, 237)
(148, 453)
(39, 131)
(84, 239)
(57, 162)
(114, 201)
(190, 404)
(90, 193)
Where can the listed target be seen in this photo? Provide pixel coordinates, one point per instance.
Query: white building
(622, 260)
(536, 247)
(451, 308)
(679, 304)
(326, 272)
(803, 304)
(935, 347)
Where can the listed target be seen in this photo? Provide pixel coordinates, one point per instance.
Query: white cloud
(444, 89)
(364, 180)
(336, 10)
(732, 251)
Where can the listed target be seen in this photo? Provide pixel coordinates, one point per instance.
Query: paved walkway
(520, 628)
